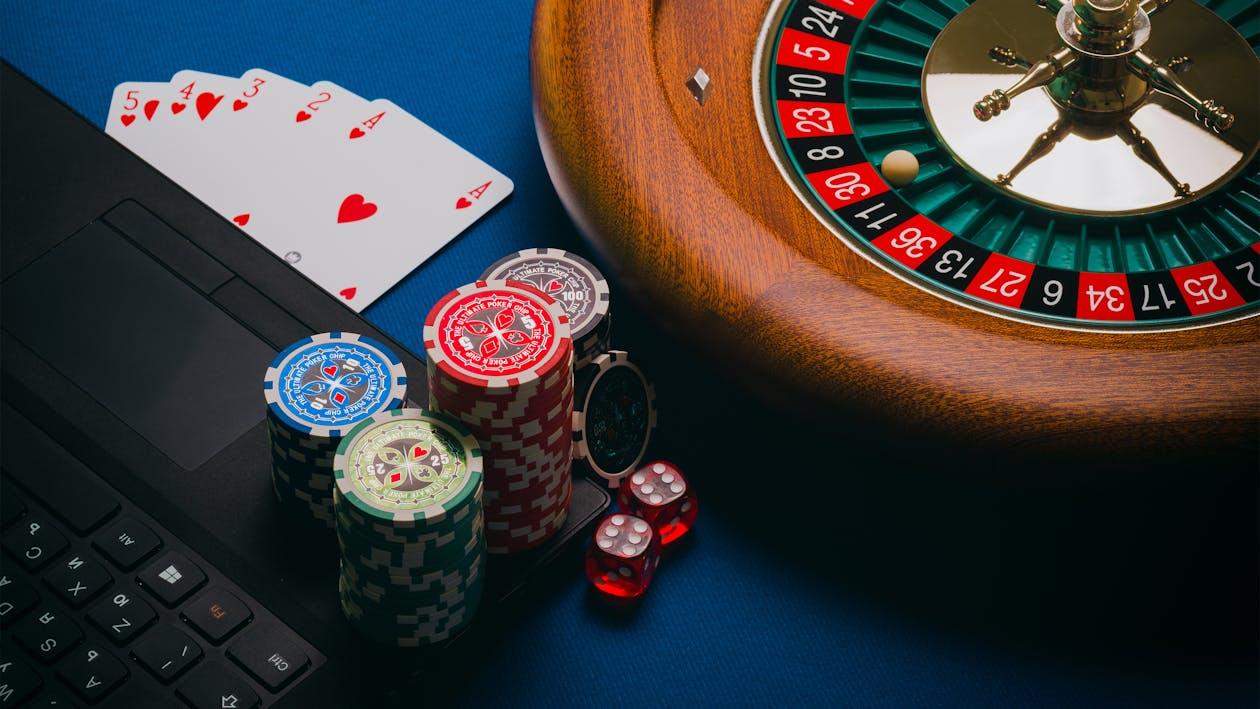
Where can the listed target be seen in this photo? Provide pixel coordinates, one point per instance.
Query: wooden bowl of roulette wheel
(745, 204)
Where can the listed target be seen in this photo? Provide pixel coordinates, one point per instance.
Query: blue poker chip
(323, 385)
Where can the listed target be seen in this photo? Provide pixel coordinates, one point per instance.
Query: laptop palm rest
(154, 351)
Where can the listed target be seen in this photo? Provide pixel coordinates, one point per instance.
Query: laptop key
(171, 578)
(48, 633)
(214, 685)
(269, 654)
(217, 614)
(34, 542)
(11, 508)
(16, 598)
(127, 543)
(167, 652)
(122, 616)
(92, 672)
(77, 579)
(18, 680)
(52, 698)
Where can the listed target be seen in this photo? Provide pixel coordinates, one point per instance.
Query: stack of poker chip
(575, 283)
(316, 390)
(613, 417)
(410, 525)
(500, 360)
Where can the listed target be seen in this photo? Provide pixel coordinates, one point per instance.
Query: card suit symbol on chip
(462, 203)
(348, 293)
(330, 370)
(177, 107)
(356, 132)
(150, 107)
(241, 219)
(127, 119)
(206, 102)
(238, 104)
(302, 116)
(418, 451)
(354, 208)
(339, 398)
(554, 285)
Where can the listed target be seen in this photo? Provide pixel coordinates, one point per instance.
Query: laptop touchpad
(148, 347)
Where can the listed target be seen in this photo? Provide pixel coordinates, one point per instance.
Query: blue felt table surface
(864, 584)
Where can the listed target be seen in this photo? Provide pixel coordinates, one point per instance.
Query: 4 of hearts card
(355, 194)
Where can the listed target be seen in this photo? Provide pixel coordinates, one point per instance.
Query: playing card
(365, 193)
(238, 156)
(403, 189)
(133, 109)
(353, 193)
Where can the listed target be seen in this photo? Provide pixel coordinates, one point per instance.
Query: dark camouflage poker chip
(614, 415)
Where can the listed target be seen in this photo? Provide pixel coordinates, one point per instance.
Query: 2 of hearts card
(355, 194)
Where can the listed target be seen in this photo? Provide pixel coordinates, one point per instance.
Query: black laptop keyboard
(101, 606)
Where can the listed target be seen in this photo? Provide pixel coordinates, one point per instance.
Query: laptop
(146, 561)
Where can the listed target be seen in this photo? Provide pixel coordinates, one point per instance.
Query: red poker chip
(521, 425)
(504, 405)
(528, 468)
(529, 495)
(535, 496)
(476, 415)
(512, 462)
(547, 379)
(523, 539)
(485, 414)
(497, 336)
(524, 488)
(527, 515)
(515, 406)
(530, 507)
(528, 437)
(520, 524)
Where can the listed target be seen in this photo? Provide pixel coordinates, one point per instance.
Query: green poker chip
(407, 488)
(407, 466)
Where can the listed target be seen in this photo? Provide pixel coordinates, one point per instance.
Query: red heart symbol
(303, 116)
(177, 107)
(418, 452)
(239, 104)
(127, 119)
(206, 102)
(462, 203)
(241, 219)
(354, 208)
(330, 370)
(348, 293)
(149, 108)
(356, 132)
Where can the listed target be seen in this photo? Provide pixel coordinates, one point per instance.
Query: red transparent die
(659, 493)
(623, 556)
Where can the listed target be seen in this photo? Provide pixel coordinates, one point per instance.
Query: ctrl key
(268, 653)
(214, 685)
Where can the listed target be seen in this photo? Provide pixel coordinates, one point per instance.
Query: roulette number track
(1076, 260)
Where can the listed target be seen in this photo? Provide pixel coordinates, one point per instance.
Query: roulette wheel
(1076, 261)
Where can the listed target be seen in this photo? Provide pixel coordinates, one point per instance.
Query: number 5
(822, 53)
